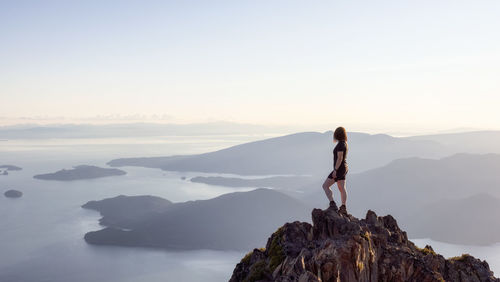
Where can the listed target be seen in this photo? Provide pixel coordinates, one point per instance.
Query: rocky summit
(343, 248)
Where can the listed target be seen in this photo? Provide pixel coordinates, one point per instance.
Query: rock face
(13, 194)
(344, 248)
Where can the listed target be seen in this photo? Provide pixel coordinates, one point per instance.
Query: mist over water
(41, 235)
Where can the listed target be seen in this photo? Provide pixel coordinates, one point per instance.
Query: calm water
(41, 235)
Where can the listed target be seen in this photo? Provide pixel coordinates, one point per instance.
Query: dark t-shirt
(341, 147)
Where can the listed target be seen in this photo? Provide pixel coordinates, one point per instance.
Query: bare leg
(326, 186)
(343, 192)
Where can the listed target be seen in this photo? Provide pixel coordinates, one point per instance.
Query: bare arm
(340, 158)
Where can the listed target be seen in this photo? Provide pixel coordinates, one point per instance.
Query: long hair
(340, 134)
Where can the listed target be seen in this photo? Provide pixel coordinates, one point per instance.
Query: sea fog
(41, 235)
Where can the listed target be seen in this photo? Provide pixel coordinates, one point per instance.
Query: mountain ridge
(303, 153)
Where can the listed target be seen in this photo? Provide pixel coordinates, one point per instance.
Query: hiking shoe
(343, 210)
(333, 206)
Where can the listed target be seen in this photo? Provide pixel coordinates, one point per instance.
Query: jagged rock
(344, 248)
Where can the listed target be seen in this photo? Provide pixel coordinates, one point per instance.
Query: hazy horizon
(379, 66)
(274, 129)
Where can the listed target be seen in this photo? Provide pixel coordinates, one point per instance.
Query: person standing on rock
(339, 170)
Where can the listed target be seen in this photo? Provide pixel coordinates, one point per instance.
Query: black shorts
(340, 175)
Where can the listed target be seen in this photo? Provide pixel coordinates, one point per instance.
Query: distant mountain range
(136, 130)
(420, 180)
(307, 153)
(415, 181)
(438, 199)
(479, 142)
(471, 220)
(423, 193)
(238, 220)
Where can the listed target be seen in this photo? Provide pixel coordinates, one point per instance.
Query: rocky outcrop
(343, 248)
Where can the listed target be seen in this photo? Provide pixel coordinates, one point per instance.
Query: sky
(426, 65)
